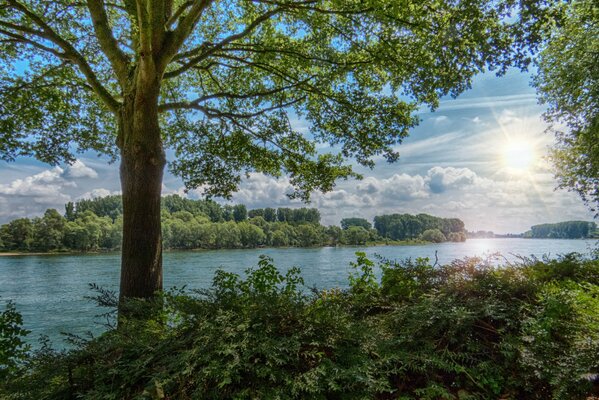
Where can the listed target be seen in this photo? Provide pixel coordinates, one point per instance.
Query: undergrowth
(468, 330)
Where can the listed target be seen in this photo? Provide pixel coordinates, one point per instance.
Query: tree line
(563, 230)
(424, 226)
(96, 224)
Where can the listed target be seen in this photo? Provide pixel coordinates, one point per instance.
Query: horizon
(479, 157)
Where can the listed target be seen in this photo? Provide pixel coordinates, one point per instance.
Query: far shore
(368, 244)
(70, 253)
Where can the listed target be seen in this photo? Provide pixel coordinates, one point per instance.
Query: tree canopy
(568, 82)
(234, 76)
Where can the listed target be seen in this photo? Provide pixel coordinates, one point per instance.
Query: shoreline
(369, 244)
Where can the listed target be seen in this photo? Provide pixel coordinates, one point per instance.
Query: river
(50, 290)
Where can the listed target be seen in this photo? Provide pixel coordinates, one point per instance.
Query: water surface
(50, 290)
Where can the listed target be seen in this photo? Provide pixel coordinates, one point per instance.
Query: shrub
(468, 330)
(12, 347)
(433, 235)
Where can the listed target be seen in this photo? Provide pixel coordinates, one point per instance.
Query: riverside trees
(218, 83)
(568, 82)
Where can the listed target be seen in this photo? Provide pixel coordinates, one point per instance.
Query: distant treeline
(560, 230)
(96, 224)
(406, 226)
(563, 230)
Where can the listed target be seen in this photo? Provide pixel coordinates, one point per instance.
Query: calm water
(50, 290)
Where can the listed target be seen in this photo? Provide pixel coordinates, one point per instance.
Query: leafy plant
(467, 330)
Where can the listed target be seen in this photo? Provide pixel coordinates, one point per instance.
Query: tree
(216, 82)
(270, 214)
(17, 234)
(568, 82)
(433, 235)
(48, 231)
(347, 222)
(240, 213)
(355, 235)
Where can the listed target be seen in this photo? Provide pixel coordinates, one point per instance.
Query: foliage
(568, 82)
(467, 330)
(563, 230)
(216, 83)
(346, 223)
(189, 224)
(406, 226)
(329, 62)
(355, 235)
(13, 349)
(433, 235)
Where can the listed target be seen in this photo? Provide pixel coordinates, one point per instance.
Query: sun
(519, 155)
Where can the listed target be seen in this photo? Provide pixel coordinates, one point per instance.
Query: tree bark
(141, 170)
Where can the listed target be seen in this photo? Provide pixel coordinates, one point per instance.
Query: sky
(480, 158)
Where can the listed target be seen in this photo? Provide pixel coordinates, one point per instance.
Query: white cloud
(34, 193)
(79, 170)
(95, 193)
(441, 119)
(399, 187)
(49, 188)
(260, 190)
(42, 187)
(440, 179)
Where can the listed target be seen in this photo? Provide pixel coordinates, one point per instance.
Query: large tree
(568, 82)
(220, 82)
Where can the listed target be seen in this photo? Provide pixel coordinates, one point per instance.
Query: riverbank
(367, 244)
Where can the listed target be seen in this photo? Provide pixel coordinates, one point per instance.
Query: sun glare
(519, 155)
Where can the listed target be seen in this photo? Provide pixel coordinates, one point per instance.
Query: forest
(563, 230)
(96, 224)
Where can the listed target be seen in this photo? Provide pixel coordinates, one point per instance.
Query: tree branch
(23, 39)
(171, 21)
(71, 54)
(118, 59)
(175, 40)
(211, 49)
(145, 29)
(215, 113)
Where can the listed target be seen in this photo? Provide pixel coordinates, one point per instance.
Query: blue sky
(478, 157)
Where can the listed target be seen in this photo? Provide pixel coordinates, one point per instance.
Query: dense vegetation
(462, 331)
(567, 82)
(95, 224)
(563, 230)
(406, 226)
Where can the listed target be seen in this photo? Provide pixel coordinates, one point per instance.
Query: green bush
(433, 235)
(468, 330)
(13, 349)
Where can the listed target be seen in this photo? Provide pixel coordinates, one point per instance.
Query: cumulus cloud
(399, 187)
(95, 193)
(440, 179)
(79, 170)
(41, 188)
(260, 190)
(50, 188)
(34, 193)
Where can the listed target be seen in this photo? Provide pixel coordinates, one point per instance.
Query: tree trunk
(142, 165)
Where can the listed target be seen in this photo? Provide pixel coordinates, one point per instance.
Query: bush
(12, 347)
(468, 330)
(433, 235)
